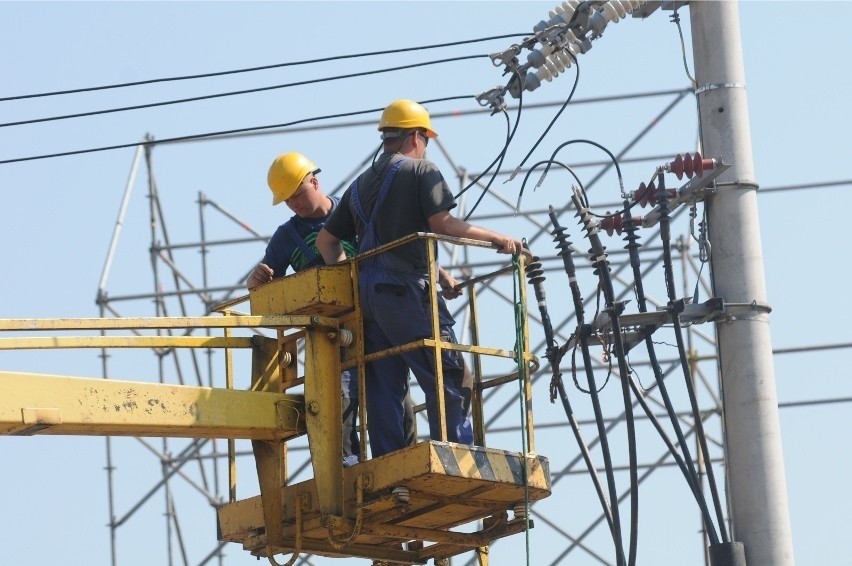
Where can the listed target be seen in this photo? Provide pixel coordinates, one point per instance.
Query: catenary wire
(260, 68)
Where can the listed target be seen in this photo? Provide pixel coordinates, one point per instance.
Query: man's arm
(330, 247)
(445, 223)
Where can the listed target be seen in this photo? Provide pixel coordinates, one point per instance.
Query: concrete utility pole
(757, 483)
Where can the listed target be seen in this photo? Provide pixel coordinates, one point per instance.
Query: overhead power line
(219, 133)
(245, 91)
(260, 68)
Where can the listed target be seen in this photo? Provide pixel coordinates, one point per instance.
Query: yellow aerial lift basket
(429, 501)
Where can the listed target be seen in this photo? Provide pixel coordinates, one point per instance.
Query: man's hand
(262, 274)
(448, 284)
(506, 244)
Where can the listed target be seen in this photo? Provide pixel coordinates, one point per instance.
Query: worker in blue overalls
(402, 193)
(293, 180)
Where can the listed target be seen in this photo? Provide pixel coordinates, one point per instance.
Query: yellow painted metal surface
(59, 342)
(340, 512)
(165, 322)
(449, 485)
(46, 404)
(324, 290)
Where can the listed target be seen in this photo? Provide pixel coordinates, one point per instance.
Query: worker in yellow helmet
(402, 193)
(293, 180)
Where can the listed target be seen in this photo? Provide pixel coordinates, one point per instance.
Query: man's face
(307, 201)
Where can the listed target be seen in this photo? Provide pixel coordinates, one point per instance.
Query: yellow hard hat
(406, 114)
(286, 174)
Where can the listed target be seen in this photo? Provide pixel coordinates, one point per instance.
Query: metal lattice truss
(568, 525)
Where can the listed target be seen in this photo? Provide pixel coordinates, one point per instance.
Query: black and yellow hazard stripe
(476, 462)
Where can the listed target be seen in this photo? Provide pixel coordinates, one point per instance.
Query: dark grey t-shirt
(417, 192)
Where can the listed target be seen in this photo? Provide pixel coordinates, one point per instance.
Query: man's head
(292, 180)
(406, 128)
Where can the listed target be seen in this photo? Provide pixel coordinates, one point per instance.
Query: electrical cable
(686, 464)
(582, 335)
(585, 200)
(614, 309)
(219, 133)
(531, 169)
(675, 18)
(260, 68)
(552, 122)
(535, 274)
(675, 308)
(498, 160)
(238, 92)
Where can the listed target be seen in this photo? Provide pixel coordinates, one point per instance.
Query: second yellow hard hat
(286, 174)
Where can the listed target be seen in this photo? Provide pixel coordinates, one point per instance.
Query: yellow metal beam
(56, 342)
(323, 414)
(166, 322)
(50, 404)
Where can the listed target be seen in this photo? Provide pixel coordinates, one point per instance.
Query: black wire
(260, 68)
(583, 192)
(500, 157)
(665, 237)
(556, 117)
(531, 169)
(686, 464)
(582, 335)
(219, 133)
(238, 92)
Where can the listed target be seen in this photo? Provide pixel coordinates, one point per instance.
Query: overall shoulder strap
(293, 234)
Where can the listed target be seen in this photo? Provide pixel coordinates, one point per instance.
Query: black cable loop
(239, 92)
(585, 200)
(531, 169)
(261, 68)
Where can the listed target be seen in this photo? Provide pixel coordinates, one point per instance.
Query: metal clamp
(745, 311)
(505, 57)
(709, 87)
(493, 98)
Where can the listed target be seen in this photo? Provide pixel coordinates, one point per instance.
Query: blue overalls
(395, 300)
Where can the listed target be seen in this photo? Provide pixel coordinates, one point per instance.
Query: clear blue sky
(59, 215)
